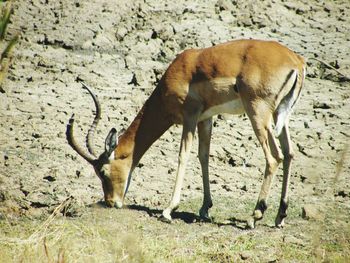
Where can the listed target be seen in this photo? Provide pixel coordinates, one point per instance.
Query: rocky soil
(121, 48)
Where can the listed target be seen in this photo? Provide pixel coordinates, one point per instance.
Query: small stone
(49, 178)
(322, 105)
(36, 135)
(121, 33)
(245, 255)
(311, 212)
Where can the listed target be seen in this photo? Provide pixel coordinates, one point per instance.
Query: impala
(261, 78)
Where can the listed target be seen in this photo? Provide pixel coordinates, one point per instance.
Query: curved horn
(73, 143)
(91, 132)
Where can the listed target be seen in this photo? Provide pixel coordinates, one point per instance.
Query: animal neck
(149, 124)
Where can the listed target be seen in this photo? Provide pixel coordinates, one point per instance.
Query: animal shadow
(239, 223)
(187, 217)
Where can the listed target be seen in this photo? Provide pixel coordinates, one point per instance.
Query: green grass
(110, 235)
(7, 46)
(68, 240)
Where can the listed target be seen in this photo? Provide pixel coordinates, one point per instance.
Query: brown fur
(251, 71)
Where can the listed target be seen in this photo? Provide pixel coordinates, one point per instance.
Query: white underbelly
(230, 107)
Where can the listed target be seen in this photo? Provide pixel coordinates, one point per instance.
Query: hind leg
(288, 153)
(260, 117)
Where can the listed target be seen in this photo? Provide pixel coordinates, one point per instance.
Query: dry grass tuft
(337, 248)
(60, 239)
(7, 46)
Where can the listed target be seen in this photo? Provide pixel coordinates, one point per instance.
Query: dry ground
(49, 196)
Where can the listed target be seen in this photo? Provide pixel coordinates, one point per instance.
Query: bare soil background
(121, 48)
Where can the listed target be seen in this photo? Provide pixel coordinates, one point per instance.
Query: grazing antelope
(261, 78)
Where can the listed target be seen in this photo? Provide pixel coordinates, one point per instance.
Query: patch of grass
(59, 239)
(332, 243)
(126, 235)
(295, 253)
(7, 47)
(332, 240)
(5, 19)
(106, 235)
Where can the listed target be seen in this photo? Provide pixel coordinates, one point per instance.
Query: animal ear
(111, 142)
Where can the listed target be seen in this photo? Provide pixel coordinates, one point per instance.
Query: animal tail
(287, 103)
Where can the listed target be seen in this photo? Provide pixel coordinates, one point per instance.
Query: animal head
(113, 172)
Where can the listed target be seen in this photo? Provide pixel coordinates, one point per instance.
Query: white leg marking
(231, 107)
